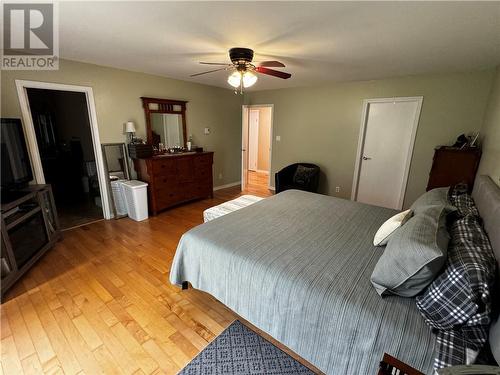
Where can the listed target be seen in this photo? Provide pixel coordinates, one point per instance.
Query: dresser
(452, 165)
(176, 178)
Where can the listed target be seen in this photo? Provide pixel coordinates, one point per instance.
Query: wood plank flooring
(100, 301)
(258, 183)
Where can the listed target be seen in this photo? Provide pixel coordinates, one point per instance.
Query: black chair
(286, 178)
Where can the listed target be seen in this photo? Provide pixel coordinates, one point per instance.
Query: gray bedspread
(297, 265)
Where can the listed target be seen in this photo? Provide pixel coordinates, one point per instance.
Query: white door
(253, 139)
(385, 148)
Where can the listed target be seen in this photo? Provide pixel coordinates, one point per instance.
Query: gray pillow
(414, 255)
(303, 175)
(434, 197)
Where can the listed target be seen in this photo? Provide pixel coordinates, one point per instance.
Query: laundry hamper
(136, 198)
(119, 198)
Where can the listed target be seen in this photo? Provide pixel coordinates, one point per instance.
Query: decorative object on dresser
(176, 178)
(30, 227)
(453, 165)
(140, 150)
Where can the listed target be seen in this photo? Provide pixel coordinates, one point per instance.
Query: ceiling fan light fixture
(249, 79)
(234, 79)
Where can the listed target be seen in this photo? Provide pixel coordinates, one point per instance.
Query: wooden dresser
(451, 166)
(176, 178)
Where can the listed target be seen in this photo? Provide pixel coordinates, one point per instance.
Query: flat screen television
(16, 168)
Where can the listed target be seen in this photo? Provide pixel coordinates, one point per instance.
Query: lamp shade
(234, 79)
(129, 127)
(249, 79)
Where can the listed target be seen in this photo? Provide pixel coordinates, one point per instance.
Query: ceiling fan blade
(212, 63)
(272, 64)
(210, 71)
(272, 72)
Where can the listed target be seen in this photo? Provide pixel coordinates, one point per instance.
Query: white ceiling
(319, 42)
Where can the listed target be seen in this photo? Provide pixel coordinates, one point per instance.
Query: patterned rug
(240, 351)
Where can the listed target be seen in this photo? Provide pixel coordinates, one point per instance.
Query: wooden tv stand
(29, 227)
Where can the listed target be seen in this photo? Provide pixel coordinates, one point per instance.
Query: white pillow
(387, 229)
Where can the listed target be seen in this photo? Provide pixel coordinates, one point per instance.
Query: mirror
(116, 168)
(167, 129)
(165, 122)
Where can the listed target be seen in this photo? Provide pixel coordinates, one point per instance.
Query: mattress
(297, 265)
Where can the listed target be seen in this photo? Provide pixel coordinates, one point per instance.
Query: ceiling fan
(243, 70)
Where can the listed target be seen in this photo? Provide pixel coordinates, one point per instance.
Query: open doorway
(256, 150)
(65, 147)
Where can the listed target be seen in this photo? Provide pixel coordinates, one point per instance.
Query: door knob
(366, 158)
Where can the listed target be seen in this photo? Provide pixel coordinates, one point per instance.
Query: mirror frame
(164, 106)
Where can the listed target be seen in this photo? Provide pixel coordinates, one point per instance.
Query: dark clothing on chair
(300, 176)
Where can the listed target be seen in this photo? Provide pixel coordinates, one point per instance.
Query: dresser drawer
(202, 190)
(170, 196)
(185, 170)
(176, 179)
(164, 167)
(203, 174)
(164, 181)
(203, 161)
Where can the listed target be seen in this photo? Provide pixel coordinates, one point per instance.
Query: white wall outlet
(337, 189)
(206, 131)
(278, 138)
(220, 176)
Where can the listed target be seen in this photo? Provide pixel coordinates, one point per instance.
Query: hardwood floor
(258, 183)
(100, 301)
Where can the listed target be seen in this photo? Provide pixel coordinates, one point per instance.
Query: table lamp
(130, 130)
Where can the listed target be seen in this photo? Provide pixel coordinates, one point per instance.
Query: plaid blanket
(458, 303)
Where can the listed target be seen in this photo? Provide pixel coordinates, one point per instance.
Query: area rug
(240, 351)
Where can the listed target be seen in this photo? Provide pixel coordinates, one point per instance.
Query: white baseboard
(227, 185)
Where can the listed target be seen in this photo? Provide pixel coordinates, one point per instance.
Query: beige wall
(321, 124)
(117, 98)
(264, 138)
(490, 134)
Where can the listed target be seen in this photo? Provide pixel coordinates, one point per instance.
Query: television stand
(12, 195)
(30, 227)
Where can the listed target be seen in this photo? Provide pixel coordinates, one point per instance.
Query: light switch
(207, 131)
(278, 138)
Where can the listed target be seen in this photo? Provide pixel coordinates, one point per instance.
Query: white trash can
(119, 197)
(136, 198)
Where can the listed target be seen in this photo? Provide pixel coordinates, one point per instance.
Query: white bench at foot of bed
(229, 206)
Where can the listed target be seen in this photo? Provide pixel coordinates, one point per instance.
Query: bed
(297, 265)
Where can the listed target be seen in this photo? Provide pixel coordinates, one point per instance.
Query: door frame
(245, 111)
(361, 142)
(29, 131)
